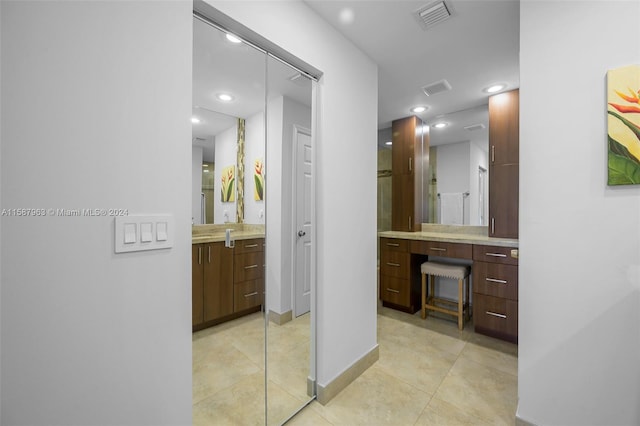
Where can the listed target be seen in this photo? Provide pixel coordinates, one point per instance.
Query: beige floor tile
(290, 369)
(424, 369)
(241, 404)
(407, 335)
(309, 417)
(493, 358)
(440, 413)
(375, 398)
(481, 391)
(220, 369)
(280, 404)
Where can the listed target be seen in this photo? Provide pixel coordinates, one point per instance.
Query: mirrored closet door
(253, 347)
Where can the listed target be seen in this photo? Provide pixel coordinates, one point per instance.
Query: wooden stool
(438, 269)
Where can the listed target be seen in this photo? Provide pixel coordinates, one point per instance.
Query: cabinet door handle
(437, 249)
(393, 264)
(493, 280)
(250, 245)
(250, 266)
(496, 254)
(409, 223)
(493, 314)
(199, 255)
(393, 244)
(392, 290)
(493, 225)
(209, 254)
(255, 293)
(493, 153)
(410, 163)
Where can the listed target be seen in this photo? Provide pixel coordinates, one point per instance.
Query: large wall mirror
(458, 168)
(252, 165)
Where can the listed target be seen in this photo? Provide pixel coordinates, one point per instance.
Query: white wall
(345, 214)
(95, 111)
(579, 276)
(254, 148)
(226, 155)
(196, 184)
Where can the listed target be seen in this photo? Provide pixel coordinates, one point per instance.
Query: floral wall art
(258, 177)
(227, 188)
(623, 122)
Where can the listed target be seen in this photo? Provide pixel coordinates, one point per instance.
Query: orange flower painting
(258, 177)
(623, 122)
(227, 190)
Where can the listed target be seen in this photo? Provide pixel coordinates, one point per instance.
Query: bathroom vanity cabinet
(226, 282)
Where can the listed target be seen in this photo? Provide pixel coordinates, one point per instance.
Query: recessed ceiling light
(195, 120)
(388, 143)
(225, 97)
(419, 109)
(233, 39)
(440, 125)
(347, 16)
(495, 88)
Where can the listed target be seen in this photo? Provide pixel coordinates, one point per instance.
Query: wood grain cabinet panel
(248, 294)
(496, 316)
(494, 254)
(504, 147)
(393, 244)
(443, 249)
(248, 275)
(495, 279)
(197, 274)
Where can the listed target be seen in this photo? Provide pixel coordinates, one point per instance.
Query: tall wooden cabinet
(410, 157)
(504, 128)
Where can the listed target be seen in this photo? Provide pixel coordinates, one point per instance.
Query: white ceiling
(477, 46)
(220, 66)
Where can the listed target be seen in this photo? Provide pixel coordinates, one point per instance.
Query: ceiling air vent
(432, 14)
(473, 127)
(437, 87)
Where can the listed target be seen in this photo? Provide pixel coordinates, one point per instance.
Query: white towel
(452, 208)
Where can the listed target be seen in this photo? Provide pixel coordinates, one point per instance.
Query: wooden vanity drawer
(247, 294)
(495, 316)
(249, 246)
(435, 248)
(395, 290)
(495, 279)
(395, 264)
(494, 254)
(394, 244)
(248, 266)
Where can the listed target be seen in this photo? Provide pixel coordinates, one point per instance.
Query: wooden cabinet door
(504, 128)
(403, 133)
(503, 201)
(197, 272)
(218, 281)
(402, 202)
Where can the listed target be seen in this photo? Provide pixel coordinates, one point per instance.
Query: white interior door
(303, 230)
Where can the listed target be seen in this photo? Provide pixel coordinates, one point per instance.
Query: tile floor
(429, 373)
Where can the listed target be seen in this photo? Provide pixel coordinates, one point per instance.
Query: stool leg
(432, 288)
(424, 297)
(466, 280)
(460, 304)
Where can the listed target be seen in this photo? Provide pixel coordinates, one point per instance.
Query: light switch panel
(136, 232)
(146, 235)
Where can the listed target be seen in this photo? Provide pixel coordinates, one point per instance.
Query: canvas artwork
(227, 189)
(623, 122)
(258, 177)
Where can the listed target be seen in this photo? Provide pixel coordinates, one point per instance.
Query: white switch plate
(149, 236)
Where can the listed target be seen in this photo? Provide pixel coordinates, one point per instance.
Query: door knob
(301, 233)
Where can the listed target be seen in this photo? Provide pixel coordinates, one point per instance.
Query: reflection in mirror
(251, 367)
(227, 285)
(228, 90)
(458, 169)
(290, 360)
